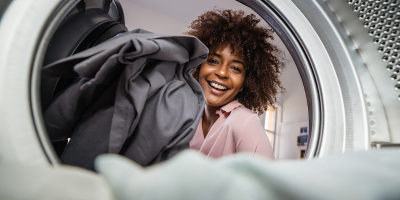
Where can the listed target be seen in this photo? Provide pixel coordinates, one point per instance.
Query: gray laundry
(134, 96)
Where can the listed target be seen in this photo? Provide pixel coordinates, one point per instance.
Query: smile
(217, 86)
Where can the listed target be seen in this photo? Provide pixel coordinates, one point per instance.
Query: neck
(210, 116)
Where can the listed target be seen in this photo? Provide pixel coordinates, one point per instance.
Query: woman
(239, 78)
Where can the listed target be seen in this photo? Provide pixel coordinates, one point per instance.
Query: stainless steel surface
(308, 31)
(384, 27)
(362, 94)
(385, 145)
(348, 67)
(269, 12)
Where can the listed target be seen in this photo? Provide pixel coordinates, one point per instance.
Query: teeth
(218, 86)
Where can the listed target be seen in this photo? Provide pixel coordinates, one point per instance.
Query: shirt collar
(230, 106)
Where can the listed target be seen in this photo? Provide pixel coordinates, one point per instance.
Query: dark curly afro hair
(220, 28)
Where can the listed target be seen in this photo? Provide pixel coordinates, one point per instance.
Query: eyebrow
(219, 56)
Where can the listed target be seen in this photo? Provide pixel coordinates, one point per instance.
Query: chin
(216, 103)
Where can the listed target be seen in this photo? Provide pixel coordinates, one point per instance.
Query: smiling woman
(240, 59)
(222, 77)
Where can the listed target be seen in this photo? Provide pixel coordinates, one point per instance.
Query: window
(268, 119)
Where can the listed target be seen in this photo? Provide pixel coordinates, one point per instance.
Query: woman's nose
(221, 71)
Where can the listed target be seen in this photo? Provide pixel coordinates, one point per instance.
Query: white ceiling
(188, 10)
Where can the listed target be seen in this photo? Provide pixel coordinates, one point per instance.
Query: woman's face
(221, 77)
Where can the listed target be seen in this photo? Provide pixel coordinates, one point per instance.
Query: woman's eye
(236, 69)
(213, 61)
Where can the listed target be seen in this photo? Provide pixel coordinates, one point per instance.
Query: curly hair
(220, 28)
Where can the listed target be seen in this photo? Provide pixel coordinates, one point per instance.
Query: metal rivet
(390, 67)
(386, 30)
(397, 87)
(373, 132)
(388, 52)
(377, 41)
(370, 5)
(394, 77)
(390, 46)
(392, 9)
(396, 49)
(385, 37)
(378, 7)
(373, 26)
(357, 2)
(392, 39)
(385, 8)
(389, 24)
(396, 71)
(371, 32)
(395, 3)
(384, 15)
(351, 1)
(361, 16)
(370, 113)
(356, 9)
(385, 58)
(397, 64)
(383, 43)
(376, 13)
(375, 20)
(364, 3)
(392, 61)
(367, 24)
(372, 122)
(390, 17)
(394, 32)
(395, 55)
(363, 10)
(370, 11)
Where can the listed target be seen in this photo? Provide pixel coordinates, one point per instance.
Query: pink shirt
(237, 129)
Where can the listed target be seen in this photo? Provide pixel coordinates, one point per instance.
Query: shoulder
(242, 117)
(243, 112)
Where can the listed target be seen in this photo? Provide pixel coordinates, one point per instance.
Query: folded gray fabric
(189, 175)
(135, 96)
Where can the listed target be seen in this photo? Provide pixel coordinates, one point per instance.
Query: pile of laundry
(133, 95)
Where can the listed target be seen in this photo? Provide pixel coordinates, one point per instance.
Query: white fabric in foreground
(189, 175)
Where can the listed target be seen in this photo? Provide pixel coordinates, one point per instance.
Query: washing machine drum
(347, 54)
(87, 24)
